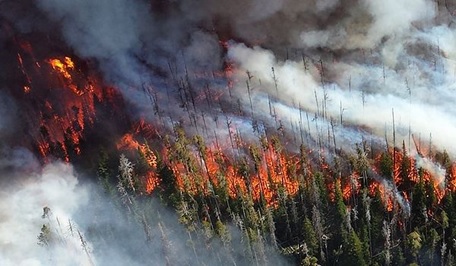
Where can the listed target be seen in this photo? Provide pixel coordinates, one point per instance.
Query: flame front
(150, 178)
(63, 66)
(64, 113)
(64, 120)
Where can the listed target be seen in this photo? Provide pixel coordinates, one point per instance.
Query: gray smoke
(88, 227)
(362, 57)
(21, 217)
(346, 64)
(49, 217)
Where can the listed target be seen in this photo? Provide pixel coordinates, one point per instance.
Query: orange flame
(414, 177)
(65, 120)
(452, 178)
(62, 67)
(270, 174)
(351, 186)
(152, 182)
(386, 196)
(151, 179)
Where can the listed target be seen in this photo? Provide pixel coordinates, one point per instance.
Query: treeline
(247, 206)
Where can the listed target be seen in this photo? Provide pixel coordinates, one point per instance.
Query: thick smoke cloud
(56, 187)
(366, 58)
(87, 227)
(425, 108)
(49, 217)
(346, 64)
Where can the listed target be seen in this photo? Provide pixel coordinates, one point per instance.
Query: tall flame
(150, 178)
(63, 66)
(65, 114)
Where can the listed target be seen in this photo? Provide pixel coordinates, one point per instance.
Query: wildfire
(150, 178)
(351, 186)
(63, 67)
(261, 181)
(385, 193)
(152, 182)
(409, 171)
(128, 142)
(24, 72)
(452, 180)
(64, 115)
(63, 122)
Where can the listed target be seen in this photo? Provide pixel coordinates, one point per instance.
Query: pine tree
(432, 240)
(418, 210)
(387, 234)
(169, 190)
(104, 174)
(271, 227)
(386, 165)
(126, 173)
(352, 250)
(166, 246)
(310, 237)
(404, 171)
(414, 244)
(361, 163)
(45, 238)
(223, 233)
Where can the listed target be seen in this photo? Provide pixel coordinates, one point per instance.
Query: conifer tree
(352, 250)
(414, 244)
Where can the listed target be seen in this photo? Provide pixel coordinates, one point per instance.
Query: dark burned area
(48, 96)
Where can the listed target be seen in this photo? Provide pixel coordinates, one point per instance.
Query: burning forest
(240, 133)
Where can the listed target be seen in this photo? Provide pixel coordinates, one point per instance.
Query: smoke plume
(329, 73)
(54, 187)
(350, 62)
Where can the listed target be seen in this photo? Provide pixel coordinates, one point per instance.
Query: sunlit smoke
(327, 74)
(56, 188)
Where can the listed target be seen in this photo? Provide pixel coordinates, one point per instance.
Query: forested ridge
(374, 206)
(246, 132)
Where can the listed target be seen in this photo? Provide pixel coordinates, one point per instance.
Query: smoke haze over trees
(241, 132)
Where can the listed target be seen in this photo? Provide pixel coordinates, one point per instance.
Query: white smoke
(88, 228)
(21, 216)
(379, 56)
(364, 59)
(418, 90)
(392, 192)
(395, 18)
(437, 172)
